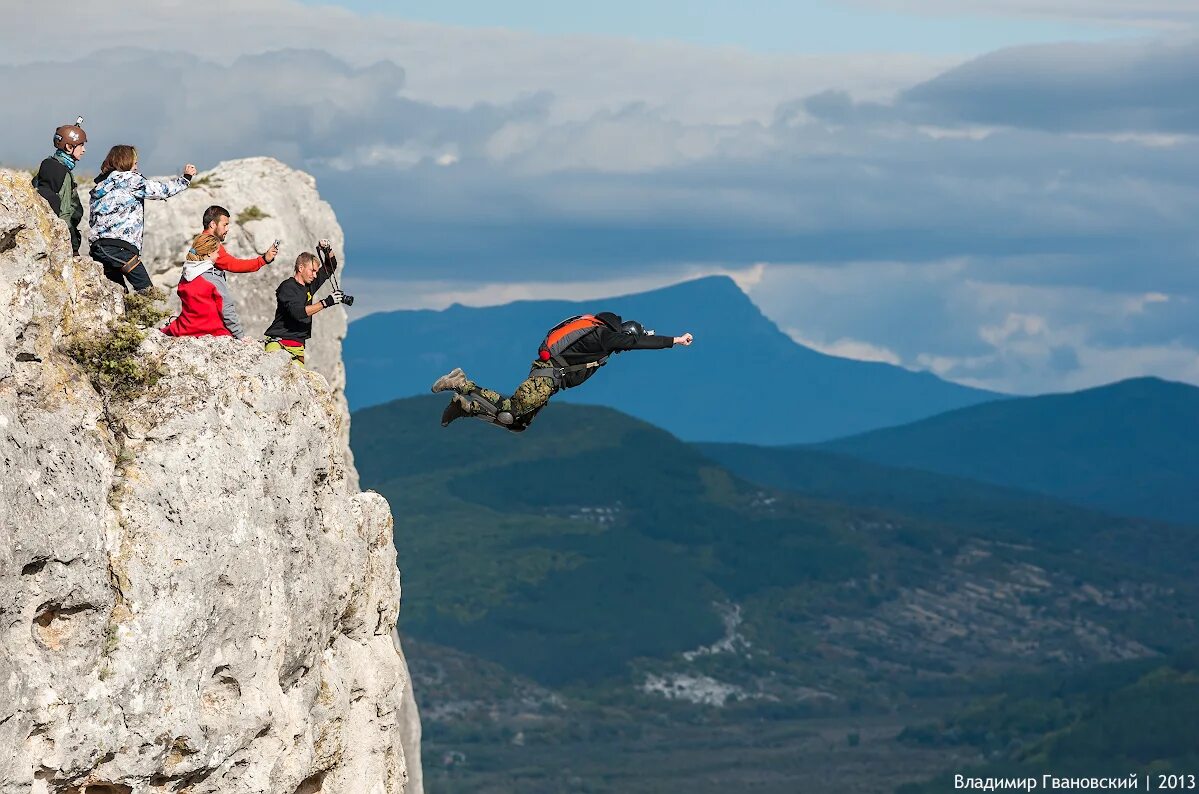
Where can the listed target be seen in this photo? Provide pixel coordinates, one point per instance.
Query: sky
(781, 26)
(1002, 192)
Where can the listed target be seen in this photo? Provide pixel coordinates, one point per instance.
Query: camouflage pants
(530, 396)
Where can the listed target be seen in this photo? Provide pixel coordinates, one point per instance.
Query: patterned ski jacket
(118, 205)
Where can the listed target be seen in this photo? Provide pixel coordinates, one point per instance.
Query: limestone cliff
(193, 597)
(267, 201)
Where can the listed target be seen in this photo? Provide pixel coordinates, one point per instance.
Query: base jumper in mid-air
(571, 353)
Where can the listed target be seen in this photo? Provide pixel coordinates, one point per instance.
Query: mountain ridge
(1126, 447)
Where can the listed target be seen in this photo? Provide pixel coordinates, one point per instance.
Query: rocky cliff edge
(267, 201)
(192, 599)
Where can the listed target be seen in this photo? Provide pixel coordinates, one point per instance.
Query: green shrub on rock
(111, 359)
(143, 309)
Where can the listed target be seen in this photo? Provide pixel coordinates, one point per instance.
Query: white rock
(701, 689)
(192, 594)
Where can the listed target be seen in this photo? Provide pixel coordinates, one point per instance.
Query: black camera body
(348, 300)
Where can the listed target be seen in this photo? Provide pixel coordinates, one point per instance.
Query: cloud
(1011, 337)
(302, 106)
(1033, 370)
(461, 67)
(1111, 87)
(1159, 14)
(1014, 325)
(848, 348)
(906, 216)
(1139, 91)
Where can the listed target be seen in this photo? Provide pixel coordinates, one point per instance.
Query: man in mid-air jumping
(570, 354)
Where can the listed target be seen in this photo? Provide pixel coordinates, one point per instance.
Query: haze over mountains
(743, 379)
(1130, 448)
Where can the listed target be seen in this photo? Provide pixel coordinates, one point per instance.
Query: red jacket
(229, 263)
(204, 310)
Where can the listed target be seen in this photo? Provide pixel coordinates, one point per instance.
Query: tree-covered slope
(596, 547)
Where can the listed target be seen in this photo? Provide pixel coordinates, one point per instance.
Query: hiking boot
(453, 380)
(453, 411)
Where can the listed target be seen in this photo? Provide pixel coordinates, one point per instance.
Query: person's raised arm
(328, 260)
(162, 190)
(231, 264)
(648, 341)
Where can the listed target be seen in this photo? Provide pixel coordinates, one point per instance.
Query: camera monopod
(322, 254)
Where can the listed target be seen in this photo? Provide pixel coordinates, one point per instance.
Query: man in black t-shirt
(293, 302)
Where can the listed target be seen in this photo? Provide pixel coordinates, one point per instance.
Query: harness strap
(133, 262)
(556, 373)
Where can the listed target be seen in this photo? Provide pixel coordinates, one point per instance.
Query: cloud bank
(1022, 221)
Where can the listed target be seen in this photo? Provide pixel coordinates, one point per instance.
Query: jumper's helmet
(632, 328)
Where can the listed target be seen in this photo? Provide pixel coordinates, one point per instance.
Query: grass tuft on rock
(207, 181)
(251, 213)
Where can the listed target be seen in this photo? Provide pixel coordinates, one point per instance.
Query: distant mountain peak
(718, 289)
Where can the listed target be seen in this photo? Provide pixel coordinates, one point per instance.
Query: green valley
(612, 587)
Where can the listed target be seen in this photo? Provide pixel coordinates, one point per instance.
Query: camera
(324, 251)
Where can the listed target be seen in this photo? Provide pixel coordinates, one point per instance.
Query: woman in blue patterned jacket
(117, 215)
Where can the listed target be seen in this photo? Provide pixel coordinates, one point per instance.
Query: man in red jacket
(216, 223)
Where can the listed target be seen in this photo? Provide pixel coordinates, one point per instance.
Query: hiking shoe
(453, 380)
(453, 411)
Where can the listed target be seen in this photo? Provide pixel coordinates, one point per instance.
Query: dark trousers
(115, 257)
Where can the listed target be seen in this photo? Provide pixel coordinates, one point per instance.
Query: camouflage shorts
(529, 397)
(534, 393)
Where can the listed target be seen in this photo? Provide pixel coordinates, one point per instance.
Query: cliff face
(193, 595)
(273, 202)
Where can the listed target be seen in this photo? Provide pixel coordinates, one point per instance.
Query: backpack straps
(552, 362)
(564, 335)
(557, 372)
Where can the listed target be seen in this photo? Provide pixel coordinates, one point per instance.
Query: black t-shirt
(291, 300)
